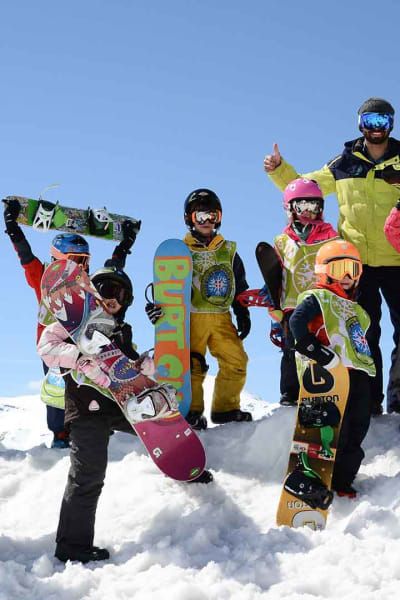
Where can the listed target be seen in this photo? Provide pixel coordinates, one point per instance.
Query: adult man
(359, 177)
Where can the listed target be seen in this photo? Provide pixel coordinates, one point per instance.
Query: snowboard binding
(305, 484)
(99, 221)
(152, 404)
(44, 216)
(318, 414)
(323, 416)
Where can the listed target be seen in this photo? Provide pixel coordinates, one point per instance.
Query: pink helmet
(301, 188)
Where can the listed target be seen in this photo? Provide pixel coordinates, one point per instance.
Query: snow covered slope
(172, 541)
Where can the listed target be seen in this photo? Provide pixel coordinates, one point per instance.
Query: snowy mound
(172, 541)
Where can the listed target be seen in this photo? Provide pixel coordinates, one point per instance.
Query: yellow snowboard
(317, 384)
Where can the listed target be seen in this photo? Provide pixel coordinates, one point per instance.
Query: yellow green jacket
(365, 199)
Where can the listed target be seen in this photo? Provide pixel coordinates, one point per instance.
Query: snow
(174, 541)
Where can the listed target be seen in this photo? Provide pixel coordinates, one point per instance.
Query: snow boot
(60, 440)
(196, 420)
(346, 491)
(287, 400)
(83, 554)
(231, 416)
(205, 477)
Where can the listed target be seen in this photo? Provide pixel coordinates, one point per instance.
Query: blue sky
(133, 104)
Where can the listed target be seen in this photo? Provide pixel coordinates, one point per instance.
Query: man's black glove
(311, 347)
(242, 315)
(11, 212)
(153, 311)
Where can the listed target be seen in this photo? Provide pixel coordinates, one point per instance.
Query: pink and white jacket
(392, 228)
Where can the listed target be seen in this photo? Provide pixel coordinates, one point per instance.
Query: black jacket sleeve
(240, 275)
(302, 315)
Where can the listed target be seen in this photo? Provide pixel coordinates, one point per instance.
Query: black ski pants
(289, 383)
(354, 428)
(89, 437)
(375, 281)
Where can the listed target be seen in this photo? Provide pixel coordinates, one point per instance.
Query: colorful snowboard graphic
(97, 223)
(172, 281)
(151, 409)
(314, 446)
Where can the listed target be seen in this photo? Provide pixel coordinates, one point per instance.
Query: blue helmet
(68, 243)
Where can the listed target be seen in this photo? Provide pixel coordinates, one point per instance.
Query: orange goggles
(338, 269)
(202, 216)
(79, 259)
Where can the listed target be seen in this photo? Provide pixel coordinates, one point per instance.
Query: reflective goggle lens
(111, 290)
(376, 121)
(338, 269)
(79, 259)
(306, 205)
(201, 216)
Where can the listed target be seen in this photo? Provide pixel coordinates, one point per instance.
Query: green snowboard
(43, 215)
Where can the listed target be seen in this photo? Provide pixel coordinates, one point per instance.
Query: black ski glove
(398, 205)
(11, 212)
(153, 311)
(242, 315)
(311, 347)
(129, 232)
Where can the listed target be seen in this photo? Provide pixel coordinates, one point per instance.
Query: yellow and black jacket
(365, 199)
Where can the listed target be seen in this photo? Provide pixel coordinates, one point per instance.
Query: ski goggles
(307, 205)
(375, 120)
(110, 289)
(339, 268)
(202, 216)
(78, 258)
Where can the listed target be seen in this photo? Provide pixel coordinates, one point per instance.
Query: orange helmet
(336, 259)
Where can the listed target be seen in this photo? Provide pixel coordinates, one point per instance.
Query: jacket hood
(197, 245)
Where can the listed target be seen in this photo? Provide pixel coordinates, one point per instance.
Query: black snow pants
(354, 428)
(89, 437)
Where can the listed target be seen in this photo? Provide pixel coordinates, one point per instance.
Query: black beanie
(378, 105)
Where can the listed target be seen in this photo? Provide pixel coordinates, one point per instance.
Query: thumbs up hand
(271, 161)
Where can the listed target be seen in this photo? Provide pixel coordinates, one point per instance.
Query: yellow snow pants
(217, 333)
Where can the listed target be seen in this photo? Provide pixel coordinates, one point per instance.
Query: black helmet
(109, 274)
(204, 198)
(377, 105)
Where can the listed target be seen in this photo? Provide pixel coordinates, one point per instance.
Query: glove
(146, 365)
(91, 369)
(153, 311)
(398, 205)
(242, 315)
(129, 232)
(311, 347)
(276, 335)
(11, 212)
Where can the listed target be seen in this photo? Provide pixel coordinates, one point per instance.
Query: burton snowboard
(43, 215)
(306, 494)
(150, 408)
(172, 281)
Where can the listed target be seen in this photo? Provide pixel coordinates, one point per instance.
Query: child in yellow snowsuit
(218, 277)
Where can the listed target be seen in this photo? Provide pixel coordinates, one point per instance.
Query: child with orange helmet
(329, 325)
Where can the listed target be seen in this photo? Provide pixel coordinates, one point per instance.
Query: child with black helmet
(91, 416)
(329, 325)
(64, 245)
(218, 277)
